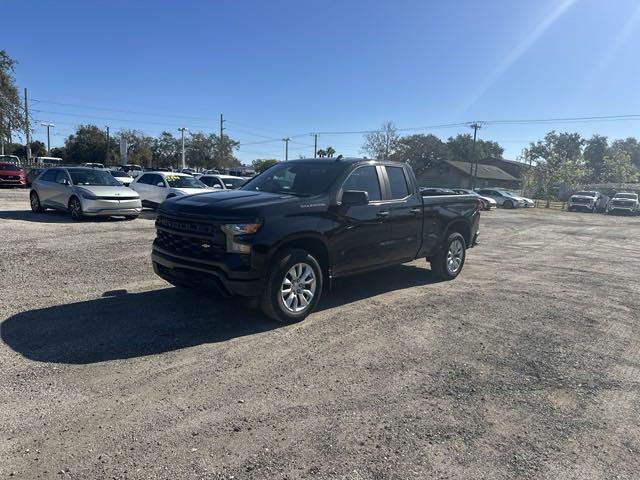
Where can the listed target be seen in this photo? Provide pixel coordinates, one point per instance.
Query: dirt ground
(526, 366)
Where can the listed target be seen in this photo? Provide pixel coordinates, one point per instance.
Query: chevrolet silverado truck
(589, 201)
(283, 237)
(625, 203)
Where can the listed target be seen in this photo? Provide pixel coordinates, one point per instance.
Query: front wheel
(508, 204)
(294, 286)
(448, 262)
(34, 200)
(75, 208)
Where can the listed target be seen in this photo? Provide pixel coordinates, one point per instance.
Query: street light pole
(286, 149)
(49, 126)
(108, 146)
(182, 130)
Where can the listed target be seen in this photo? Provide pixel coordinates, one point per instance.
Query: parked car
(32, 174)
(123, 177)
(502, 198)
(590, 201)
(212, 171)
(133, 170)
(94, 165)
(155, 187)
(83, 192)
(224, 182)
(12, 175)
(188, 171)
(624, 203)
(487, 202)
(435, 191)
(283, 237)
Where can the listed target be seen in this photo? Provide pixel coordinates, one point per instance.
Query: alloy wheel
(455, 256)
(298, 287)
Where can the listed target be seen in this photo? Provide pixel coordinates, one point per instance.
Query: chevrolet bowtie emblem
(205, 245)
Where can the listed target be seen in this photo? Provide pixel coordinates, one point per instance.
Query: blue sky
(287, 68)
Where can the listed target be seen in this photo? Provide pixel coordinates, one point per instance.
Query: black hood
(231, 203)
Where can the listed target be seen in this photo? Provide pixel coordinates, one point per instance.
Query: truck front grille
(189, 238)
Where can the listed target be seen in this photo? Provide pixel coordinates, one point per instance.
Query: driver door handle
(383, 213)
(416, 210)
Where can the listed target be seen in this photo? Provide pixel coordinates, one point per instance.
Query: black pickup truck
(286, 234)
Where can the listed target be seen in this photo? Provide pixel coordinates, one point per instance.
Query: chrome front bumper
(97, 208)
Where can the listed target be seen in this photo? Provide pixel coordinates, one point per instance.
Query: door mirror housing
(353, 198)
(159, 184)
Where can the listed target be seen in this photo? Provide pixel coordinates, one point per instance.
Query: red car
(12, 175)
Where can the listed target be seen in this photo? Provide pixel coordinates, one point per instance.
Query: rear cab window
(398, 185)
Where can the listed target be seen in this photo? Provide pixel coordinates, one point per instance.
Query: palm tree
(321, 153)
(330, 151)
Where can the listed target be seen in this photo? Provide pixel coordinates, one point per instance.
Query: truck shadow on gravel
(123, 325)
(54, 216)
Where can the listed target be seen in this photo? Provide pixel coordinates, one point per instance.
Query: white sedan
(223, 182)
(155, 187)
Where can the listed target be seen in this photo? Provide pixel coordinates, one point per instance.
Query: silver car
(83, 192)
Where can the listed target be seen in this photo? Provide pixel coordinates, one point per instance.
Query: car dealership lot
(526, 366)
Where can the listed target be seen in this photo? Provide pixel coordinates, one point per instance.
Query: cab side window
(397, 182)
(145, 179)
(61, 176)
(364, 179)
(49, 176)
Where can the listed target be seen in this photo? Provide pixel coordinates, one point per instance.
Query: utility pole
(286, 148)
(221, 140)
(315, 145)
(1, 134)
(49, 126)
(472, 179)
(108, 160)
(26, 119)
(182, 130)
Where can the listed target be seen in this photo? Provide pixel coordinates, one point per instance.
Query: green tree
(381, 144)
(60, 152)
(629, 145)
(261, 164)
(321, 153)
(167, 150)
(559, 163)
(330, 151)
(461, 146)
(594, 152)
(421, 152)
(617, 168)
(139, 147)
(87, 144)
(11, 110)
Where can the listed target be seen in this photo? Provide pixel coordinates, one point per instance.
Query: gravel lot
(527, 366)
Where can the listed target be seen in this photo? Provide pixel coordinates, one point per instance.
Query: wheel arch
(313, 244)
(461, 226)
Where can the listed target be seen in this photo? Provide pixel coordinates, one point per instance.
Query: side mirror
(351, 198)
(159, 184)
(217, 186)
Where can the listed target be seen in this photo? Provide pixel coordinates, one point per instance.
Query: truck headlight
(232, 230)
(241, 228)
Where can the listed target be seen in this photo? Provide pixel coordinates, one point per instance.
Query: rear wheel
(448, 262)
(294, 286)
(34, 200)
(75, 208)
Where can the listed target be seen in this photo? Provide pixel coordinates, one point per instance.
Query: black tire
(440, 261)
(130, 217)
(508, 204)
(34, 200)
(272, 302)
(75, 208)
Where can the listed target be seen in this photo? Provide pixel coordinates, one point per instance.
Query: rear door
(360, 242)
(405, 205)
(60, 190)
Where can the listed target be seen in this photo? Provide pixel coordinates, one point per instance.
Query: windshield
(9, 167)
(632, 196)
(118, 174)
(233, 182)
(586, 194)
(177, 181)
(299, 179)
(93, 177)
